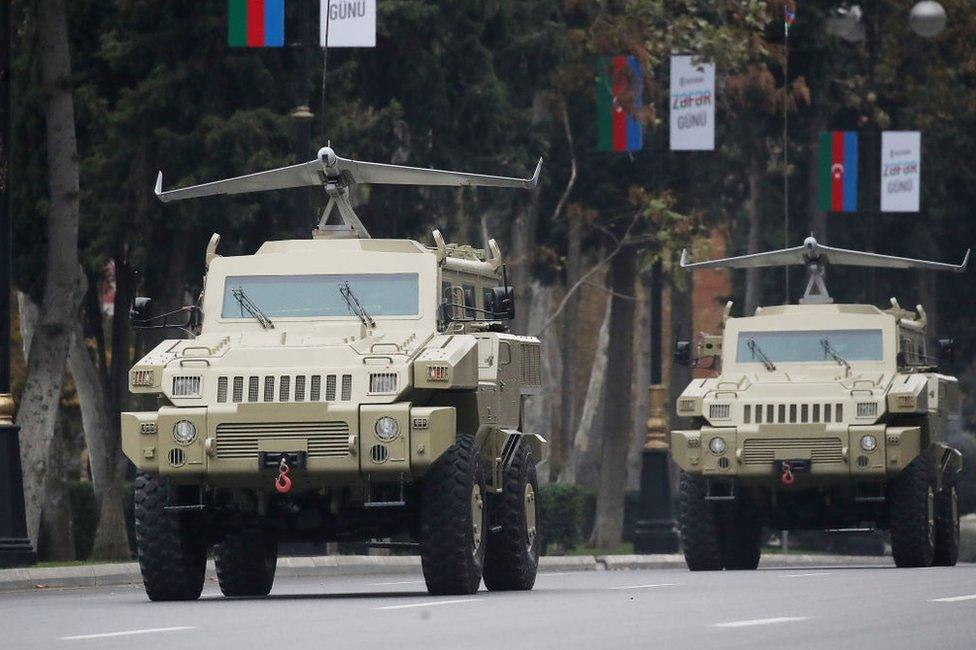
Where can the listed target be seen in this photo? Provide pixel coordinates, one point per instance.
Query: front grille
(298, 388)
(325, 439)
(792, 413)
(531, 363)
(760, 451)
(382, 382)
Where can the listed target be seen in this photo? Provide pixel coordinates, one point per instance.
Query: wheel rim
(530, 525)
(477, 516)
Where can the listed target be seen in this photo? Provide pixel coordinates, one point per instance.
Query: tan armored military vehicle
(338, 388)
(821, 416)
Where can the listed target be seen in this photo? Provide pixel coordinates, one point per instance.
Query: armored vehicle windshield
(810, 346)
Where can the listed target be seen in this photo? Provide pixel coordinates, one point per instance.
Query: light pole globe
(927, 18)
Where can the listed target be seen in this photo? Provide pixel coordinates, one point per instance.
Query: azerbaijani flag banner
(256, 23)
(838, 171)
(620, 98)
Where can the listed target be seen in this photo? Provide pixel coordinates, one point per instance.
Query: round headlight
(387, 428)
(184, 432)
(717, 445)
(869, 443)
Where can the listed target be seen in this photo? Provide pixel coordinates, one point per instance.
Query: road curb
(127, 573)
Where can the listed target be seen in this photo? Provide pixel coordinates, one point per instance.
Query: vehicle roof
(343, 245)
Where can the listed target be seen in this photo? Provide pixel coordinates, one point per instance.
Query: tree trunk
(581, 456)
(538, 411)
(55, 539)
(39, 406)
(753, 276)
(102, 439)
(608, 527)
(563, 432)
(642, 380)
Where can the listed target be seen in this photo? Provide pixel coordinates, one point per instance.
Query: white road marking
(556, 573)
(427, 604)
(953, 599)
(804, 575)
(106, 635)
(390, 584)
(763, 621)
(665, 584)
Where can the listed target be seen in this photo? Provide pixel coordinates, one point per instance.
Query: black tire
(512, 556)
(172, 547)
(698, 526)
(741, 538)
(946, 527)
(452, 557)
(245, 560)
(911, 515)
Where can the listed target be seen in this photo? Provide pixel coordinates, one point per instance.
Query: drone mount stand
(816, 291)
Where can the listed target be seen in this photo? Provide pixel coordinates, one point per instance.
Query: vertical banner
(620, 98)
(837, 171)
(692, 104)
(256, 23)
(901, 171)
(347, 23)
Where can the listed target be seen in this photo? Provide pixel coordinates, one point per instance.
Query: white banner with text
(901, 171)
(692, 104)
(348, 23)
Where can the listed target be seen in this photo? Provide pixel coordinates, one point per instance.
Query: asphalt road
(858, 607)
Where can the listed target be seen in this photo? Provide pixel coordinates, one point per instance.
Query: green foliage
(566, 514)
(84, 517)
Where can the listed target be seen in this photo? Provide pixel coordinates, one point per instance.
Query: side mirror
(141, 310)
(503, 303)
(947, 350)
(682, 353)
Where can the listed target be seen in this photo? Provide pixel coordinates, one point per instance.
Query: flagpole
(786, 149)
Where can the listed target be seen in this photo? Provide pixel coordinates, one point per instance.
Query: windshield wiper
(355, 306)
(832, 353)
(248, 305)
(757, 352)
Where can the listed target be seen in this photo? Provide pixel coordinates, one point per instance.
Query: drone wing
(844, 257)
(330, 168)
(812, 252)
(785, 257)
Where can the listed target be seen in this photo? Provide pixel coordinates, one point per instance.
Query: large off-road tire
(741, 538)
(512, 556)
(172, 547)
(911, 515)
(698, 525)
(453, 520)
(946, 527)
(245, 560)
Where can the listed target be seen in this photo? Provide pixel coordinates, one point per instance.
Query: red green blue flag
(789, 15)
(620, 98)
(256, 23)
(838, 171)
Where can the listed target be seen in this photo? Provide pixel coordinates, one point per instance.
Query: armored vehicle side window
(810, 346)
(469, 301)
(504, 353)
(488, 300)
(318, 296)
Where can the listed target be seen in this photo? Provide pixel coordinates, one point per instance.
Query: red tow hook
(283, 483)
(787, 476)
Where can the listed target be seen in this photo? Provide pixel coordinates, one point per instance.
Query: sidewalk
(125, 573)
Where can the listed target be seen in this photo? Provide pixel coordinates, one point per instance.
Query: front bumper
(832, 452)
(337, 441)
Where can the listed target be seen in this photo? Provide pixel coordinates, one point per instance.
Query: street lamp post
(654, 528)
(15, 546)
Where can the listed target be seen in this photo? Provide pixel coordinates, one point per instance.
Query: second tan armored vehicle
(339, 388)
(821, 416)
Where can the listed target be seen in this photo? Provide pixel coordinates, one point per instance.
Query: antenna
(336, 175)
(816, 257)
